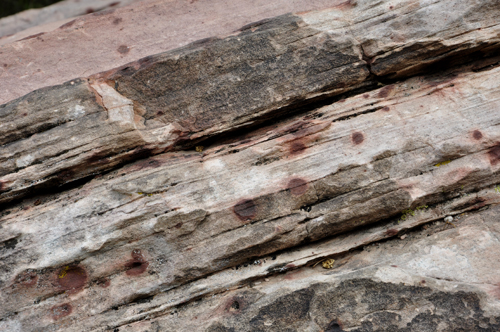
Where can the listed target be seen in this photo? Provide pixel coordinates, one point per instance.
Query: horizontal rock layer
(228, 163)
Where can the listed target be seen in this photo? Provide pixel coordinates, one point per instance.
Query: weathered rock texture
(197, 189)
(59, 11)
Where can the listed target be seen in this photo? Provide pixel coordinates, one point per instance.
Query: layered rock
(197, 189)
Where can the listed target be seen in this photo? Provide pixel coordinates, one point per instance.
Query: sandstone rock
(200, 188)
(55, 13)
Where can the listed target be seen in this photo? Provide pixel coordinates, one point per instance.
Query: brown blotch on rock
(245, 210)
(391, 232)
(72, 278)
(334, 326)
(297, 186)
(386, 109)
(385, 91)
(357, 138)
(297, 147)
(33, 36)
(61, 311)
(494, 155)
(137, 265)
(234, 304)
(27, 278)
(477, 135)
(89, 10)
(117, 20)
(123, 49)
(366, 96)
(67, 25)
(104, 282)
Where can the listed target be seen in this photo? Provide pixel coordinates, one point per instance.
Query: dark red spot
(234, 304)
(117, 20)
(89, 10)
(391, 232)
(61, 311)
(2, 185)
(67, 25)
(104, 282)
(34, 36)
(366, 96)
(385, 91)
(25, 114)
(386, 109)
(357, 138)
(477, 135)
(391, 7)
(423, 281)
(123, 49)
(116, 3)
(494, 155)
(137, 265)
(27, 278)
(297, 147)
(297, 186)
(394, 265)
(179, 225)
(5, 65)
(72, 278)
(245, 210)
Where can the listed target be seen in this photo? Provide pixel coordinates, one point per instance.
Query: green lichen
(409, 212)
(497, 189)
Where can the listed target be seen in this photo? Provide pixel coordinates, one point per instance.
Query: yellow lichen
(199, 148)
(328, 264)
(443, 163)
(63, 272)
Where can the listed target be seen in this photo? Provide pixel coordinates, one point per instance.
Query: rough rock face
(204, 188)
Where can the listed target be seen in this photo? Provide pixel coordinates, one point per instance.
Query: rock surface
(200, 188)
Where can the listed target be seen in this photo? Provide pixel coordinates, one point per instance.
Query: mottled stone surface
(64, 10)
(201, 189)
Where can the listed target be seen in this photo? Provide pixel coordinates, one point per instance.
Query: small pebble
(403, 237)
(448, 219)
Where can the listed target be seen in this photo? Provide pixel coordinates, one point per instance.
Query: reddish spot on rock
(245, 210)
(89, 10)
(61, 311)
(477, 135)
(385, 91)
(386, 109)
(357, 138)
(27, 278)
(297, 186)
(2, 185)
(67, 25)
(123, 49)
(391, 232)
(104, 282)
(297, 147)
(117, 20)
(366, 96)
(116, 3)
(391, 7)
(72, 278)
(234, 304)
(137, 265)
(494, 155)
(179, 225)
